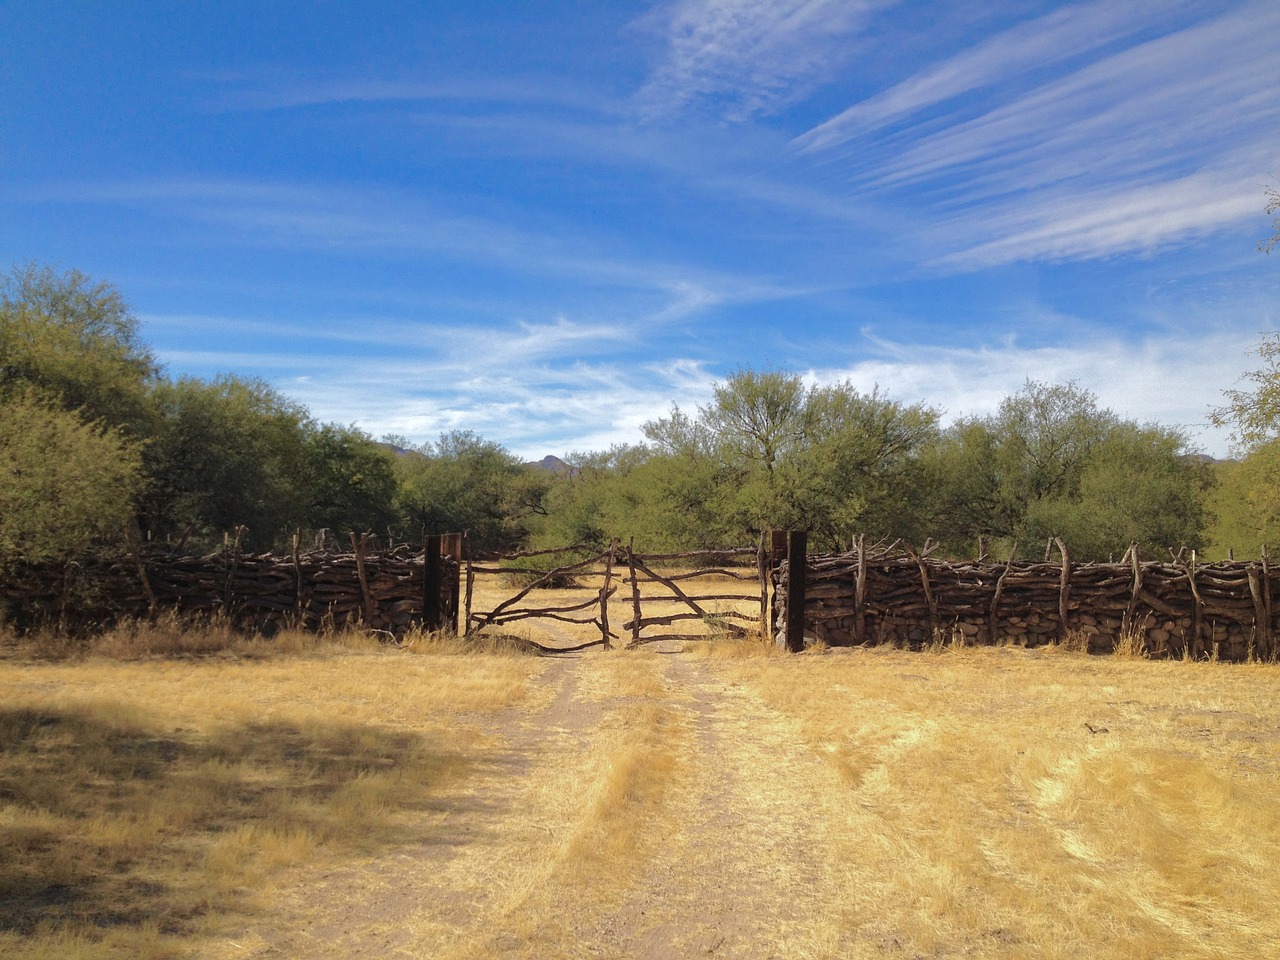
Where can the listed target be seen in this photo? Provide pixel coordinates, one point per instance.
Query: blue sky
(549, 221)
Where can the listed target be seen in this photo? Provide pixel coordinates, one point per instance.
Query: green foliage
(1246, 503)
(1253, 414)
(66, 486)
(226, 453)
(349, 480)
(464, 483)
(767, 452)
(76, 343)
(1050, 463)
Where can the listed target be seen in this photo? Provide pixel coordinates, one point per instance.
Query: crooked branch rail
(648, 588)
(901, 596)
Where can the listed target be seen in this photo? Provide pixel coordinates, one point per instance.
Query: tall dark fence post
(433, 614)
(797, 560)
(452, 546)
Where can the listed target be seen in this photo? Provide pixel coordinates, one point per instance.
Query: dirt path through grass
(642, 809)
(744, 849)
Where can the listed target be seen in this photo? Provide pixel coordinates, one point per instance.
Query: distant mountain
(551, 464)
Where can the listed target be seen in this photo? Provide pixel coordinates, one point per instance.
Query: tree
(466, 483)
(349, 480)
(760, 417)
(75, 342)
(1051, 463)
(1253, 415)
(771, 452)
(228, 452)
(66, 485)
(859, 470)
(1273, 207)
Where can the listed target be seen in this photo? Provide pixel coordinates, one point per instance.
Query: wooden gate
(694, 595)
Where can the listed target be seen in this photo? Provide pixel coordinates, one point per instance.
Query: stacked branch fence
(902, 596)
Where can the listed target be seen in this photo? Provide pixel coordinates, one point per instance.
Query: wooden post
(1262, 625)
(297, 577)
(604, 593)
(1064, 590)
(993, 621)
(1266, 598)
(432, 607)
(358, 545)
(762, 569)
(451, 546)
(471, 582)
(1128, 623)
(1196, 645)
(860, 593)
(935, 623)
(635, 591)
(797, 560)
(777, 553)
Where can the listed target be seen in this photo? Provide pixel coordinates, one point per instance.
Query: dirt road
(641, 807)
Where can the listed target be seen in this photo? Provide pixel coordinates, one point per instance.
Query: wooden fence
(873, 594)
(383, 589)
(896, 594)
(620, 566)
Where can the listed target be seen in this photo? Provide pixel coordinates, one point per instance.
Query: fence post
(451, 545)
(762, 569)
(432, 612)
(797, 560)
(604, 593)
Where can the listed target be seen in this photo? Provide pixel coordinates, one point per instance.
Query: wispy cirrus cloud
(532, 389)
(1141, 144)
(383, 223)
(252, 92)
(1028, 47)
(748, 57)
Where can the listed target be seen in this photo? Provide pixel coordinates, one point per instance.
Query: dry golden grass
(1005, 804)
(145, 805)
(601, 806)
(332, 798)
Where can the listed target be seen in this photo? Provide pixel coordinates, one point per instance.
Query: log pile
(383, 590)
(905, 597)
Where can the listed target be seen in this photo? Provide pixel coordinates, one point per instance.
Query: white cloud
(1033, 46)
(1130, 150)
(1069, 224)
(1174, 380)
(556, 402)
(749, 56)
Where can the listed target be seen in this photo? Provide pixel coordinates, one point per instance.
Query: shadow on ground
(106, 822)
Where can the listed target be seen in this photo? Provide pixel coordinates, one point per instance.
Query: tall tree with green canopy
(75, 342)
(349, 480)
(1052, 463)
(464, 483)
(66, 485)
(859, 470)
(1252, 413)
(74, 379)
(227, 452)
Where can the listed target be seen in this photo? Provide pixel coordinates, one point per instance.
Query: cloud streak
(1157, 143)
(1048, 41)
(748, 57)
(559, 399)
